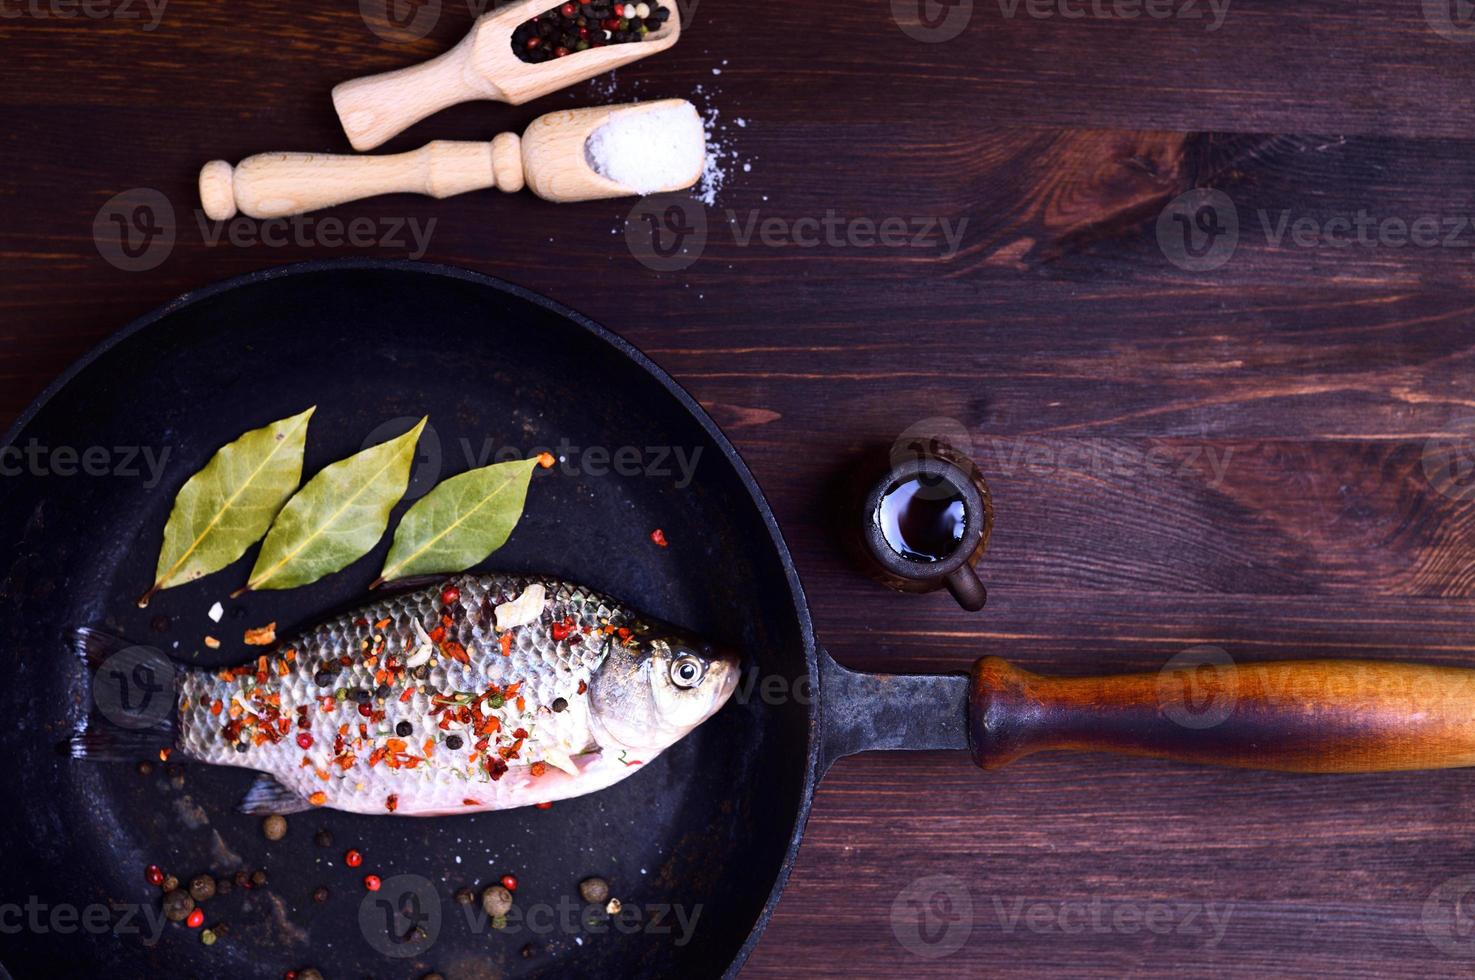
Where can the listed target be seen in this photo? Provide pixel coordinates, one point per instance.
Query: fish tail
(134, 691)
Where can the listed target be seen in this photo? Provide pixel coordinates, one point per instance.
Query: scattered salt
(649, 150)
(216, 612)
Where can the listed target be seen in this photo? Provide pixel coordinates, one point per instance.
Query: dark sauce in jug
(922, 521)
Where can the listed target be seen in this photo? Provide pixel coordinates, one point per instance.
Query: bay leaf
(461, 521)
(338, 517)
(228, 505)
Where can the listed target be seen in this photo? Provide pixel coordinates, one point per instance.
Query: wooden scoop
(549, 158)
(482, 66)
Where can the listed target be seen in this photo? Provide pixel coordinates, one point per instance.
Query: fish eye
(687, 670)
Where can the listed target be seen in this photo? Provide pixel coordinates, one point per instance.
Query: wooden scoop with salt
(570, 155)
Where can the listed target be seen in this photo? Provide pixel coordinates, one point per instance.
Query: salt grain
(649, 150)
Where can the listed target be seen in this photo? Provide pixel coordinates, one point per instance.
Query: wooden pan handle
(375, 108)
(1297, 716)
(274, 185)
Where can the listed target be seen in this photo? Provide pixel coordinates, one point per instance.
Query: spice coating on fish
(482, 693)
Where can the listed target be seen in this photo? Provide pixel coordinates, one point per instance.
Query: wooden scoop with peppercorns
(570, 155)
(514, 54)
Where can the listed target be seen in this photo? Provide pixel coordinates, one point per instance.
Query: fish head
(648, 693)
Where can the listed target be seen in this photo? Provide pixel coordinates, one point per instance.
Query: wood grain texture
(1233, 457)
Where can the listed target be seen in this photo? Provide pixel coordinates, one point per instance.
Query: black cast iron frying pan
(710, 828)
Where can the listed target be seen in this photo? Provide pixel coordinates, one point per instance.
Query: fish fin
(102, 741)
(135, 714)
(94, 646)
(411, 583)
(558, 759)
(266, 795)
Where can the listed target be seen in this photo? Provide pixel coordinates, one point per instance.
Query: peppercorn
(453, 742)
(170, 883)
(372, 882)
(559, 704)
(465, 896)
(422, 672)
(309, 974)
(353, 858)
(509, 882)
(304, 741)
(202, 888)
(178, 905)
(403, 729)
(323, 838)
(208, 937)
(382, 691)
(243, 880)
(154, 874)
(594, 890)
(145, 768)
(450, 595)
(196, 919)
(258, 878)
(223, 886)
(322, 678)
(496, 901)
(274, 827)
(320, 894)
(362, 696)
(528, 951)
(241, 746)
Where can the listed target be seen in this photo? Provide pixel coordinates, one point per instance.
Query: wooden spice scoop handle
(274, 185)
(1297, 716)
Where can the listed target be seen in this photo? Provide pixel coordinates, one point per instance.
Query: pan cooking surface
(694, 842)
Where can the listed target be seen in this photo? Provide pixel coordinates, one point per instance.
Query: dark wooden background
(1058, 331)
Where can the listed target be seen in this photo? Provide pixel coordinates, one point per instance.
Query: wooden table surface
(1229, 444)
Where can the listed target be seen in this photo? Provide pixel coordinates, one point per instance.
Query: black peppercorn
(362, 696)
(453, 742)
(382, 691)
(202, 888)
(559, 704)
(465, 896)
(223, 886)
(320, 894)
(178, 905)
(258, 878)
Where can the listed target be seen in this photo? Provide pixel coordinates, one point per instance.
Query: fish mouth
(730, 670)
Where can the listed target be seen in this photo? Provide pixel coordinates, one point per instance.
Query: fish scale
(545, 662)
